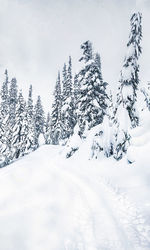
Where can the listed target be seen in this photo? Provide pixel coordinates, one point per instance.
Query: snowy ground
(48, 203)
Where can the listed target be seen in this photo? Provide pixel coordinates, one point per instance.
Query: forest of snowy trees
(83, 104)
(21, 122)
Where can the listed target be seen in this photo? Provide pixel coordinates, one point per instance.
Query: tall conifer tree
(56, 117)
(39, 119)
(91, 105)
(129, 80)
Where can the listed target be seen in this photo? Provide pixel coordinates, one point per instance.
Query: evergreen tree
(31, 137)
(87, 52)
(9, 149)
(20, 130)
(129, 80)
(69, 84)
(56, 122)
(126, 108)
(64, 82)
(47, 130)
(4, 110)
(92, 104)
(68, 109)
(12, 101)
(39, 120)
(5, 97)
(30, 104)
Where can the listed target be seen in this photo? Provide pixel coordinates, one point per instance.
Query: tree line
(82, 103)
(21, 122)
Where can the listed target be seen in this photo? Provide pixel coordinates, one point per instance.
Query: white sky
(37, 36)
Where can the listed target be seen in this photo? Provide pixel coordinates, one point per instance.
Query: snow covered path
(48, 203)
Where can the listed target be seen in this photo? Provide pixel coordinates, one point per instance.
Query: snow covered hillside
(51, 203)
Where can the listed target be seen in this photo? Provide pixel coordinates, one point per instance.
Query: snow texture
(52, 203)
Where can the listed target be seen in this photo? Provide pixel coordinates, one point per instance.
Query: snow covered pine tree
(9, 149)
(126, 108)
(5, 97)
(39, 121)
(20, 129)
(56, 123)
(67, 109)
(47, 129)
(91, 103)
(4, 114)
(31, 137)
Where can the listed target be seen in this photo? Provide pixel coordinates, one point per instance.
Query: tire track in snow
(128, 222)
(102, 217)
(130, 217)
(83, 238)
(99, 219)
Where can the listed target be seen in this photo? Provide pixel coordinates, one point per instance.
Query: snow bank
(48, 203)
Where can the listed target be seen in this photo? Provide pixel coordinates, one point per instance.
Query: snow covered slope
(49, 203)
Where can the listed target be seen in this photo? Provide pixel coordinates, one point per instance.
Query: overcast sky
(37, 36)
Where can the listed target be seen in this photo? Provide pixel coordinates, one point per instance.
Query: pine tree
(76, 94)
(129, 80)
(30, 103)
(12, 101)
(56, 119)
(68, 109)
(5, 97)
(105, 133)
(47, 130)
(3, 145)
(9, 149)
(20, 130)
(69, 85)
(64, 82)
(126, 108)
(31, 137)
(39, 120)
(4, 110)
(91, 105)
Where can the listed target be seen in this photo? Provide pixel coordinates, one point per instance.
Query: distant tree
(8, 139)
(68, 106)
(13, 91)
(5, 97)
(20, 129)
(31, 137)
(64, 82)
(4, 113)
(69, 85)
(56, 119)
(39, 119)
(47, 131)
